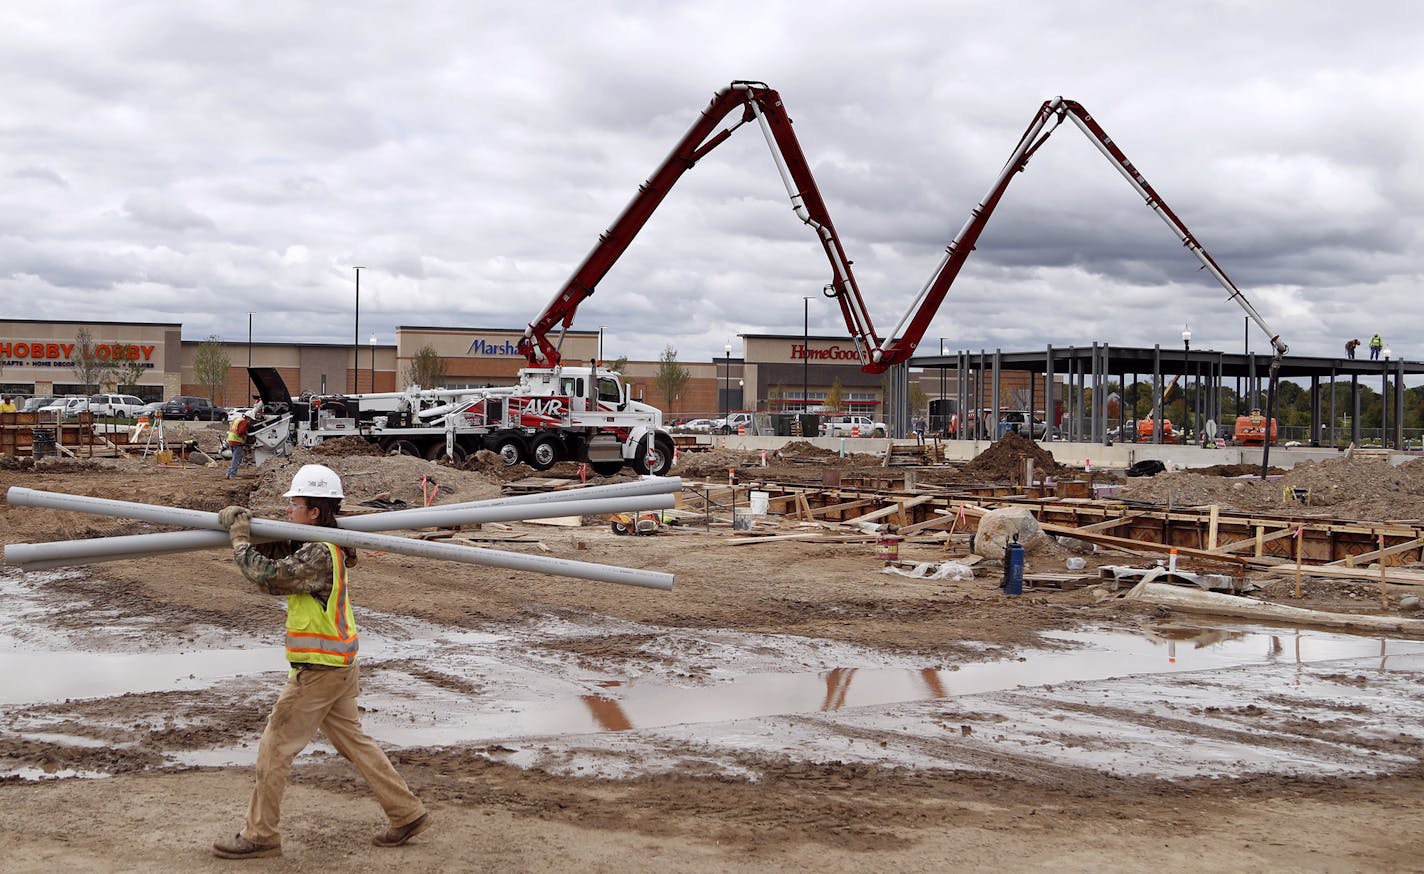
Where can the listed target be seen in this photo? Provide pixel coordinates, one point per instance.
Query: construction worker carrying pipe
(323, 682)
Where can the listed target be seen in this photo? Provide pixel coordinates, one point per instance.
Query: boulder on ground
(998, 527)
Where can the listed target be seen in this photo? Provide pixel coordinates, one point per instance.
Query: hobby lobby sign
(20, 350)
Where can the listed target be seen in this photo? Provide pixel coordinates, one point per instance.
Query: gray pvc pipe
(451, 552)
(652, 485)
(99, 549)
(273, 530)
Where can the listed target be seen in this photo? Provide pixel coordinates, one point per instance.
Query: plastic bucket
(887, 547)
(44, 443)
(761, 502)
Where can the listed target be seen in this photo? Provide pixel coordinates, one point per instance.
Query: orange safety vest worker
(320, 634)
(237, 432)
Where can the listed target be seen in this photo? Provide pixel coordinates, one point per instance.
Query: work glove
(238, 522)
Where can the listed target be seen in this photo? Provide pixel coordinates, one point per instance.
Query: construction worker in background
(237, 441)
(1376, 344)
(6, 406)
(1350, 347)
(323, 683)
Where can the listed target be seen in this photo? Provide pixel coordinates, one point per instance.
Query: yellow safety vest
(234, 436)
(323, 635)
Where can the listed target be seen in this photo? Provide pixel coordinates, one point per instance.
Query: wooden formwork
(1244, 538)
(17, 433)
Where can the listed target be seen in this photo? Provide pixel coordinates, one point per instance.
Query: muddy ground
(788, 705)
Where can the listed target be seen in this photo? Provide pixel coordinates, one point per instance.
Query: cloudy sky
(197, 161)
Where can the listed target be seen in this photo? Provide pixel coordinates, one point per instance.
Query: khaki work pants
(325, 699)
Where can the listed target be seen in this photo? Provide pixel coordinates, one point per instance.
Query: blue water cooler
(1013, 568)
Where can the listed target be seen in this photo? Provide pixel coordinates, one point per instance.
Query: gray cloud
(209, 162)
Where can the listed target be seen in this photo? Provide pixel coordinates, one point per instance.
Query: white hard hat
(315, 481)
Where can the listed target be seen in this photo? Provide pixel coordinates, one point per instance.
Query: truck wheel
(510, 450)
(606, 468)
(879, 432)
(544, 452)
(404, 447)
(656, 462)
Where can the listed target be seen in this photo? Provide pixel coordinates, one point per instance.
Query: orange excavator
(1251, 430)
(1146, 426)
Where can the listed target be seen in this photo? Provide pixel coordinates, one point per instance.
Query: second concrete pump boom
(763, 105)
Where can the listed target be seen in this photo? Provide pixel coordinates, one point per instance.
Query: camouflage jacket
(289, 567)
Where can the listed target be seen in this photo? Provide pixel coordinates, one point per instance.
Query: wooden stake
(1212, 526)
(1299, 546)
(1384, 594)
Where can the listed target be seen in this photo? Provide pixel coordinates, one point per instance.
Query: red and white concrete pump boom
(757, 103)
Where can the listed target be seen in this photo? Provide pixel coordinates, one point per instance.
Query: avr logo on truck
(534, 412)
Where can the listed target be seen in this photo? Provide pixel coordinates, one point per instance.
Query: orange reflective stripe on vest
(323, 634)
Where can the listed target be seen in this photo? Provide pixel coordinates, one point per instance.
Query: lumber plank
(1111, 523)
(1254, 540)
(1149, 546)
(813, 537)
(1394, 576)
(896, 506)
(1349, 561)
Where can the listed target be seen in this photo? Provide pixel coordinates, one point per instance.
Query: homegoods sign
(799, 351)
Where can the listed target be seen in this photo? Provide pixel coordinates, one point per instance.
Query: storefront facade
(778, 373)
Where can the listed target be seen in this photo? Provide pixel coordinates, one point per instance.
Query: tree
(210, 367)
(619, 364)
(426, 369)
(919, 401)
(671, 376)
(89, 368)
(126, 371)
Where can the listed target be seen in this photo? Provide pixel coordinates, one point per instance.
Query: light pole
(726, 376)
(1186, 366)
(373, 363)
(1384, 404)
(943, 386)
(356, 337)
(601, 329)
(806, 355)
(249, 339)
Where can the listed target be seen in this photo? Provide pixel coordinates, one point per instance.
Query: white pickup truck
(853, 426)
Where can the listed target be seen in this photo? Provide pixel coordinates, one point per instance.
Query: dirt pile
(1004, 460)
(346, 446)
(1342, 487)
(364, 477)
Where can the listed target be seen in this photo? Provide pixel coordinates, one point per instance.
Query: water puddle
(636, 704)
(33, 677)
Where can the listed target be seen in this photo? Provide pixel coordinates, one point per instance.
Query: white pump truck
(551, 415)
(557, 412)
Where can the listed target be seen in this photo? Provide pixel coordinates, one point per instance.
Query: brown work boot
(238, 847)
(396, 836)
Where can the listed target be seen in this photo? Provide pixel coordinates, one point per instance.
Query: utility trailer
(550, 415)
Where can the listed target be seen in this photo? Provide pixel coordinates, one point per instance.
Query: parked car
(67, 408)
(848, 426)
(148, 409)
(982, 424)
(735, 421)
(115, 406)
(1017, 420)
(193, 409)
(38, 403)
(701, 426)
